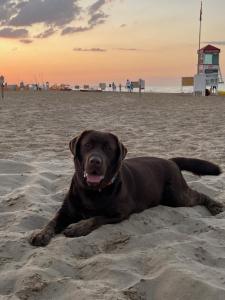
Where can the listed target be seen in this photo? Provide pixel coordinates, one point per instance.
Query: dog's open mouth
(93, 179)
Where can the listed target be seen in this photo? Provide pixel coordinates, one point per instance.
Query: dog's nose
(95, 160)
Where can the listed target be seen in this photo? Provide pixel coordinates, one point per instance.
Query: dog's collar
(109, 183)
(112, 180)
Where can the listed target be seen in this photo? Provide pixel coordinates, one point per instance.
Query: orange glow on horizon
(34, 63)
(137, 41)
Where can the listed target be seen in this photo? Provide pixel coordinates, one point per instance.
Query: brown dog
(106, 189)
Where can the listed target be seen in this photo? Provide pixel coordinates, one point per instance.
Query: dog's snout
(95, 160)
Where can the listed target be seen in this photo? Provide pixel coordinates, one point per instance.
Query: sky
(92, 41)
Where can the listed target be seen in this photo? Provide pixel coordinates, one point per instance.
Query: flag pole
(200, 33)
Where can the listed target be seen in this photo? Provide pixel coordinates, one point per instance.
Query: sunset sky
(92, 41)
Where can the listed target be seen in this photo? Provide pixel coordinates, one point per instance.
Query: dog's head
(97, 156)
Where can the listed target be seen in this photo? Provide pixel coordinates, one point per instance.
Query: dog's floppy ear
(123, 150)
(74, 143)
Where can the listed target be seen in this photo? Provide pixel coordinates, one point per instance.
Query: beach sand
(162, 253)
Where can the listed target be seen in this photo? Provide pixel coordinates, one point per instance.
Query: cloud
(219, 43)
(45, 11)
(13, 33)
(96, 6)
(7, 9)
(45, 34)
(69, 30)
(26, 41)
(128, 49)
(65, 16)
(97, 18)
(89, 50)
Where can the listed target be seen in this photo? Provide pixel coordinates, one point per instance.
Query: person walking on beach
(113, 87)
(131, 87)
(128, 85)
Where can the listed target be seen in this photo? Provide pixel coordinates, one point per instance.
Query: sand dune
(162, 253)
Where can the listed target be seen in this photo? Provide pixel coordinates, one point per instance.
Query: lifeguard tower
(208, 64)
(208, 73)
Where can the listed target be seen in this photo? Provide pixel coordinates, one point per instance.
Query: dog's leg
(189, 197)
(193, 198)
(84, 227)
(56, 225)
(178, 193)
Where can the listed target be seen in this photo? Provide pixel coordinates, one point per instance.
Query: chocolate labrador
(107, 189)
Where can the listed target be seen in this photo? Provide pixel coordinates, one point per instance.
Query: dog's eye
(107, 147)
(88, 145)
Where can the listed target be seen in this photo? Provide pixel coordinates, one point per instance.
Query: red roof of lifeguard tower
(209, 49)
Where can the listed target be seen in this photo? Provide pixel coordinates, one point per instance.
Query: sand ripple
(162, 253)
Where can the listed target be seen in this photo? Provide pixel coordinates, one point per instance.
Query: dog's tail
(197, 166)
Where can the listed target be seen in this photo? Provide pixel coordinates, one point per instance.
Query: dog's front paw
(40, 238)
(79, 229)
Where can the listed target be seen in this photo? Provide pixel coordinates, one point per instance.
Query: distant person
(2, 86)
(113, 87)
(213, 89)
(131, 87)
(139, 86)
(128, 85)
(22, 86)
(2, 90)
(120, 87)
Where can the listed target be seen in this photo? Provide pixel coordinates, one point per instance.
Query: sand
(162, 253)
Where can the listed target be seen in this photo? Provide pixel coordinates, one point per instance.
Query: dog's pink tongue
(94, 178)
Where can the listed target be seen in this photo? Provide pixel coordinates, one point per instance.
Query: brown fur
(129, 186)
